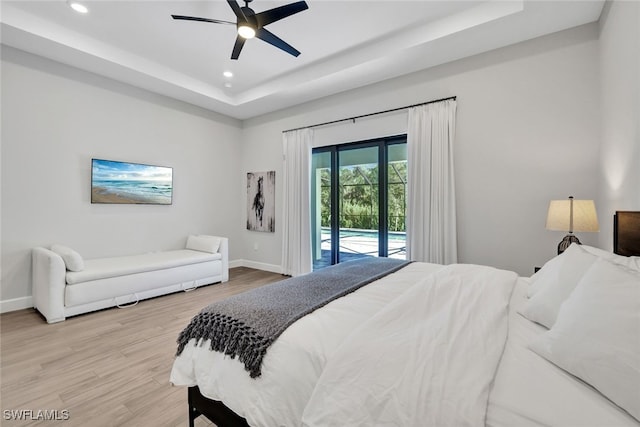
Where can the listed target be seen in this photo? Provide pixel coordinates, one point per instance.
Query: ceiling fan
(251, 24)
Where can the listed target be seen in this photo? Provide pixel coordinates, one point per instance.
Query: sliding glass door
(358, 201)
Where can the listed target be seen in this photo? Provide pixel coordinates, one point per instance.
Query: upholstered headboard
(626, 233)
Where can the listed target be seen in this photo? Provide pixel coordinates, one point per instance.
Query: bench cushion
(102, 268)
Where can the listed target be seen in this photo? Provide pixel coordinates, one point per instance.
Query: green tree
(358, 188)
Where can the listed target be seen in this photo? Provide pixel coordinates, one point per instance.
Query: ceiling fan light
(246, 31)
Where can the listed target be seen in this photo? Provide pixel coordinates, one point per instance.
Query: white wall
(527, 132)
(55, 119)
(620, 94)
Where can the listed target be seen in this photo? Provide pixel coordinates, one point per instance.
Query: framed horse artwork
(261, 200)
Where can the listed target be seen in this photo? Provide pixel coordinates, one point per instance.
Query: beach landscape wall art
(130, 183)
(261, 201)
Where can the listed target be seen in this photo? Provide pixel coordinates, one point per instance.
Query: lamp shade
(572, 215)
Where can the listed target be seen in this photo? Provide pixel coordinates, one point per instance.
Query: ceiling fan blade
(237, 47)
(194, 18)
(237, 10)
(277, 13)
(276, 41)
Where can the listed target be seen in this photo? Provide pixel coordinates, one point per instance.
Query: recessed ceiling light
(228, 74)
(78, 7)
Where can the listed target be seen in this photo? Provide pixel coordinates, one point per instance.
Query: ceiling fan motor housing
(249, 14)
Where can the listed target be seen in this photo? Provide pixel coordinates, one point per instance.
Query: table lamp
(571, 215)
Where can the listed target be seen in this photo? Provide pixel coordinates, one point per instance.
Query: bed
(447, 345)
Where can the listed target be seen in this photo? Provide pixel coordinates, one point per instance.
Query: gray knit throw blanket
(246, 324)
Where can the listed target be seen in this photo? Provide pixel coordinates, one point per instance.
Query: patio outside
(356, 244)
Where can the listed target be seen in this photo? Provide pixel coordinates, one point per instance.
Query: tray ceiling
(344, 44)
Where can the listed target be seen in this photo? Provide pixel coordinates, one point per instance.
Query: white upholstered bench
(66, 285)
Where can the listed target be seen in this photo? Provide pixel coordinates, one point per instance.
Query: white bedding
(294, 362)
(426, 359)
(526, 391)
(530, 391)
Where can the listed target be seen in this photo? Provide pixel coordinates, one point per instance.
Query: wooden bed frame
(626, 242)
(214, 410)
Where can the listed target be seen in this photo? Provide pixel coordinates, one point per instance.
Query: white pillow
(549, 270)
(597, 334)
(72, 259)
(203, 243)
(555, 286)
(632, 262)
(548, 273)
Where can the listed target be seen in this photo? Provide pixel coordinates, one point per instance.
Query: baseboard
(16, 304)
(257, 265)
(236, 263)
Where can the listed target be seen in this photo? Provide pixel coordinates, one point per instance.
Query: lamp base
(566, 242)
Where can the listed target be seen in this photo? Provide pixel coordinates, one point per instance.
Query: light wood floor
(108, 368)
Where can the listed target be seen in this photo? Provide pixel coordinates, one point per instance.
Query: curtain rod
(371, 114)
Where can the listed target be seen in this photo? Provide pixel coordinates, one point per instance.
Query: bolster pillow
(72, 259)
(203, 243)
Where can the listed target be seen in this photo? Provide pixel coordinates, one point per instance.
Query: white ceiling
(343, 43)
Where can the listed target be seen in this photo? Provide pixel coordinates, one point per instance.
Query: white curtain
(431, 201)
(296, 216)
